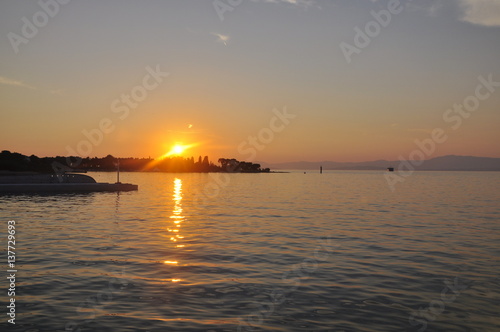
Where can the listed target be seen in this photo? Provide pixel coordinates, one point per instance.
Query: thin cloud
(435, 7)
(8, 81)
(429, 7)
(481, 12)
(221, 38)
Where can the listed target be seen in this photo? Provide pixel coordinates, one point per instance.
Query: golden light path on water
(177, 218)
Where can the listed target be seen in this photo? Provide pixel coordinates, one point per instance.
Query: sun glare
(176, 150)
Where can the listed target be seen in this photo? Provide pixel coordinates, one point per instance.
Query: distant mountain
(444, 163)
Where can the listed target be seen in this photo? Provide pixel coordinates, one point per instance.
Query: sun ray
(177, 150)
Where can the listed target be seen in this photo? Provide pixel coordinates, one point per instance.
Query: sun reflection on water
(177, 218)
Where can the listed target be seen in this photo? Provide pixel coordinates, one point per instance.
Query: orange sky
(155, 75)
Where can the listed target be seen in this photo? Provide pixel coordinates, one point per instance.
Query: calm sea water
(270, 252)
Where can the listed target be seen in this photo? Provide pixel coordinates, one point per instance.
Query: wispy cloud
(481, 12)
(8, 81)
(221, 38)
(435, 7)
(429, 7)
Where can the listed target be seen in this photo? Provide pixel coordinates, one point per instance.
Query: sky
(255, 80)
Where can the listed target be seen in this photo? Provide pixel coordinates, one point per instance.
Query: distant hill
(444, 163)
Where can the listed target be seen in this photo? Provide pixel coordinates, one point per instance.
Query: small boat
(25, 182)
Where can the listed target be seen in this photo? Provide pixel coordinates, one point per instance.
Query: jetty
(26, 182)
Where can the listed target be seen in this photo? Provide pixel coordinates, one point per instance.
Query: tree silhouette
(18, 162)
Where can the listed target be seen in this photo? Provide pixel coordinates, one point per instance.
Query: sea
(298, 251)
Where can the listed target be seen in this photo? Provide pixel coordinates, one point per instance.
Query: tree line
(16, 162)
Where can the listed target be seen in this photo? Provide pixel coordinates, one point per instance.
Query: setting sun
(176, 150)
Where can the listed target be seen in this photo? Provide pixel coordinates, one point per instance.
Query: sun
(176, 150)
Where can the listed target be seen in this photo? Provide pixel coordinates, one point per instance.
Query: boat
(26, 182)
